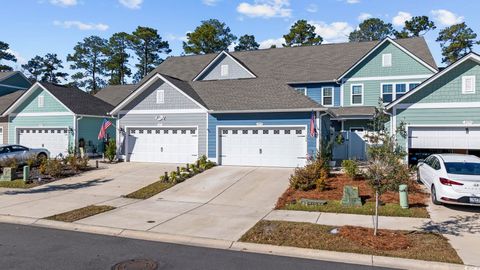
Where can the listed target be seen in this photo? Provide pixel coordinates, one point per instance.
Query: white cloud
(363, 16)
(269, 42)
(20, 59)
(131, 4)
(172, 37)
(81, 25)
(401, 17)
(266, 8)
(64, 3)
(353, 1)
(312, 8)
(446, 17)
(333, 32)
(210, 2)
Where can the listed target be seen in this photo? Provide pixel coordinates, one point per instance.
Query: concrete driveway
(221, 203)
(103, 186)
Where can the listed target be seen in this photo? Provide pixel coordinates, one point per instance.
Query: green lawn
(150, 190)
(418, 245)
(81, 213)
(19, 183)
(389, 209)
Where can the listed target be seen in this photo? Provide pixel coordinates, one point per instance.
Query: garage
(54, 140)
(423, 141)
(263, 146)
(162, 144)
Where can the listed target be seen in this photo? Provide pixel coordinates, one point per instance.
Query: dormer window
(387, 60)
(41, 101)
(224, 70)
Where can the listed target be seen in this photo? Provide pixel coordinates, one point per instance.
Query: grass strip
(150, 190)
(389, 209)
(81, 213)
(422, 245)
(19, 183)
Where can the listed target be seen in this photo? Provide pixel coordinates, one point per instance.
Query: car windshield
(465, 168)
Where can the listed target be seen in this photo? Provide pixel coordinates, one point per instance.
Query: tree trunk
(375, 230)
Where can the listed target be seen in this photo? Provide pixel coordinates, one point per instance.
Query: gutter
(270, 110)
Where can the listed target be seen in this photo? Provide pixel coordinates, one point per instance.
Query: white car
(451, 178)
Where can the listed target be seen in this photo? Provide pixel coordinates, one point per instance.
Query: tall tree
(302, 34)
(415, 27)
(370, 30)
(247, 43)
(46, 68)
(456, 41)
(118, 57)
(210, 37)
(89, 57)
(148, 46)
(5, 55)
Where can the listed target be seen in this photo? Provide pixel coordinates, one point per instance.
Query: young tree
(148, 46)
(118, 57)
(89, 57)
(456, 41)
(210, 37)
(7, 56)
(50, 69)
(370, 30)
(247, 43)
(302, 34)
(415, 27)
(34, 67)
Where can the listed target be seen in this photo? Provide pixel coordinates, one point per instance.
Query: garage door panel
(444, 137)
(163, 144)
(55, 140)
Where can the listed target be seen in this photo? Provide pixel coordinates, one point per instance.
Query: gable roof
(77, 101)
(471, 56)
(7, 74)
(114, 94)
(205, 69)
(8, 99)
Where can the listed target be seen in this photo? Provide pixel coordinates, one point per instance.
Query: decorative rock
(312, 202)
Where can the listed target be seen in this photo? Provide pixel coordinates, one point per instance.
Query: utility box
(403, 191)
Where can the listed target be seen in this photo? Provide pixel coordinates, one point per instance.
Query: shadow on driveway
(466, 220)
(50, 188)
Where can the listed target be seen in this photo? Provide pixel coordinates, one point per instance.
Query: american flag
(313, 130)
(103, 129)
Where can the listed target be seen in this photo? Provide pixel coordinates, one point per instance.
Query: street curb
(313, 254)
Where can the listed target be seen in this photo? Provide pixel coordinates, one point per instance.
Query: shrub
(111, 150)
(351, 168)
(31, 161)
(305, 178)
(204, 163)
(73, 162)
(9, 163)
(54, 168)
(83, 163)
(321, 183)
(193, 169)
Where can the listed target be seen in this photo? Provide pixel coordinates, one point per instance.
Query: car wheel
(41, 156)
(434, 196)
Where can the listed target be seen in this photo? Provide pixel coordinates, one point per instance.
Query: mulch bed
(385, 239)
(334, 191)
(81, 213)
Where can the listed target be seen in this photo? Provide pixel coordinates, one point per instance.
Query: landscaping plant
(111, 150)
(53, 167)
(306, 178)
(351, 168)
(321, 183)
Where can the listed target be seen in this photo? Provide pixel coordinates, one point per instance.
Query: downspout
(75, 130)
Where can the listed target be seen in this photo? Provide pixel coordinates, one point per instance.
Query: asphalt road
(25, 247)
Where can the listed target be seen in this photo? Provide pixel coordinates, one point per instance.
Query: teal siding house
(441, 115)
(57, 118)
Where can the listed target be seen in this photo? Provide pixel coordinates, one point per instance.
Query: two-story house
(269, 107)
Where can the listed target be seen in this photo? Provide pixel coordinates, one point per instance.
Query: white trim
(333, 96)
(270, 110)
(304, 89)
(389, 78)
(215, 59)
(385, 57)
(27, 94)
(11, 86)
(179, 111)
(127, 158)
(471, 56)
(139, 90)
(351, 94)
(218, 127)
(446, 105)
(342, 90)
(160, 96)
(319, 129)
(378, 46)
(42, 114)
(394, 88)
(206, 135)
(464, 80)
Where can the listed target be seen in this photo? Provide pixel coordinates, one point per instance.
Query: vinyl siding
(39, 121)
(235, 71)
(30, 105)
(314, 91)
(448, 88)
(88, 129)
(171, 119)
(266, 119)
(173, 99)
(4, 136)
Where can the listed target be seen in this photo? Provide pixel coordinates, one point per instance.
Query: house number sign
(160, 118)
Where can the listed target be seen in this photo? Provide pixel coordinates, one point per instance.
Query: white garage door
(54, 140)
(162, 144)
(444, 137)
(265, 146)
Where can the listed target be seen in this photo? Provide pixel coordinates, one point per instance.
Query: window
(357, 94)
(400, 90)
(468, 85)
(327, 96)
(387, 60)
(302, 90)
(224, 70)
(41, 101)
(387, 93)
(160, 96)
(412, 85)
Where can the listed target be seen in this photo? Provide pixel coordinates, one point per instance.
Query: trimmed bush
(111, 150)
(351, 168)
(306, 178)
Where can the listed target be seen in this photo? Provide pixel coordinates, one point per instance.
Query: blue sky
(37, 27)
